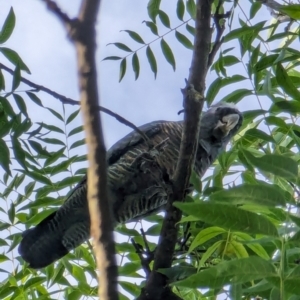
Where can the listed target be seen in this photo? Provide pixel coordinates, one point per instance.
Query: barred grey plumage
(135, 179)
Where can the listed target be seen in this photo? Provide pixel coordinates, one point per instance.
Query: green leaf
(20, 128)
(135, 36)
(278, 165)
(4, 157)
(164, 18)
(291, 281)
(52, 128)
(152, 27)
(53, 141)
(75, 131)
(3, 257)
(236, 290)
(190, 29)
(14, 58)
(178, 272)
(38, 148)
(68, 181)
(286, 83)
(219, 83)
(135, 66)
(77, 144)
(260, 194)
(18, 152)
(34, 282)
(37, 176)
(255, 7)
(205, 235)
(234, 271)
(180, 9)
(184, 40)
(16, 77)
(55, 156)
(244, 31)
(122, 69)
(191, 8)
(121, 46)
(258, 134)
(8, 26)
(237, 95)
(229, 217)
(112, 58)
(37, 218)
(153, 8)
(56, 114)
(61, 167)
(292, 107)
(11, 213)
(292, 10)
(72, 116)
(29, 189)
(2, 81)
(35, 98)
(255, 247)
(21, 104)
(168, 53)
(151, 60)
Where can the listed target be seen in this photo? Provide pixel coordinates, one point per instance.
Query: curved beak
(228, 123)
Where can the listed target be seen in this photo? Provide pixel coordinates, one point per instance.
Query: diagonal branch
(156, 286)
(65, 100)
(83, 34)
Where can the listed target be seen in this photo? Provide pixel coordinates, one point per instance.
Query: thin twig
(83, 34)
(145, 261)
(65, 100)
(220, 30)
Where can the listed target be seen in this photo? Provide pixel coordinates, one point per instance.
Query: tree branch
(82, 33)
(65, 100)
(156, 287)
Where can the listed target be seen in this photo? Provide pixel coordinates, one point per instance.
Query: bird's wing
(68, 227)
(132, 139)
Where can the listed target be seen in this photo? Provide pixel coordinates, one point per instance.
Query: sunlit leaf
(276, 164)
(237, 271)
(285, 82)
(205, 235)
(229, 217)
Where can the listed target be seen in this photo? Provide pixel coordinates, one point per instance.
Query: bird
(138, 170)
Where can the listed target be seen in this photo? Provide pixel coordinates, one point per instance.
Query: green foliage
(240, 228)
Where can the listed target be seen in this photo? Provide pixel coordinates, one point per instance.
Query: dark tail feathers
(41, 246)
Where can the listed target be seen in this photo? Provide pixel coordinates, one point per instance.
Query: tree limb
(82, 33)
(65, 100)
(156, 287)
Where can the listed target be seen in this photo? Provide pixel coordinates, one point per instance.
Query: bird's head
(221, 121)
